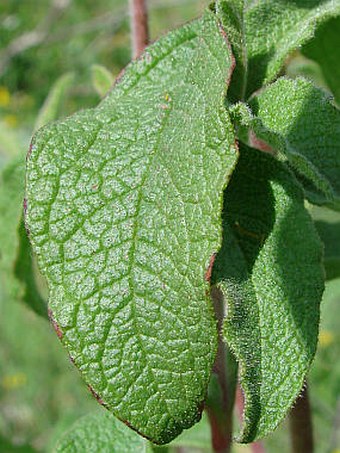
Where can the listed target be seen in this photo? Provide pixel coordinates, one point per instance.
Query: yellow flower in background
(325, 339)
(5, 97)
(11, 120)
(13, 381)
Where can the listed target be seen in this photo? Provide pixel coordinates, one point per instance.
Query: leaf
(330, 236)
(301, 66)
(15, 252)
(50, 109)
(297, 119)
(231, 15)
(11, 141)
(24, 272)
(269, 270)
(102, 79)
(124, 206)
(11, 199)
(324, 49)
(274, 28)
(103, 433)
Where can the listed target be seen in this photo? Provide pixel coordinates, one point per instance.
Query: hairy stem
(301, 427)
(139, 26)
(219, 405)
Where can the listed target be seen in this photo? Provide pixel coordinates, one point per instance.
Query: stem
(301, 427)
(139, 26)
(219, 406)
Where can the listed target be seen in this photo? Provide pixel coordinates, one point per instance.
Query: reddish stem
(139, 26)
(301, 427)
(219, 408)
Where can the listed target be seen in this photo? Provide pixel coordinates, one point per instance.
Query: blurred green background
(41, 393)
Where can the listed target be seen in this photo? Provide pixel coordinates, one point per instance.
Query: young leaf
(50, 109)
(103, 433)
(330, 236)
(299, 120)
(24, 272)
(324, 49)
(102, 79)
(274, 28)
(124, 206)
(300, 66)
(269, 270)
(15, 252)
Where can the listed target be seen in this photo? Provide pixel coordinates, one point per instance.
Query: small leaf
(274, 28)
(124, 206)
(324, 49)
(24, 272)
(269, 270)
(11, 201)
(299, 120)
(301, 66)
(102, 79)
(51, 107)
(15, 251)
(103, 433)
(330, 236)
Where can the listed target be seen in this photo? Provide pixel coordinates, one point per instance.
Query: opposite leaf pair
(124, 206)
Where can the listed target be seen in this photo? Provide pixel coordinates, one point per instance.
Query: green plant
(187, 186)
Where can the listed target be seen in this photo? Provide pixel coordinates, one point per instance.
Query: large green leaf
(269, 270)
(324, 49)
(124, 205)
(101, 432)
(274, 28)
(297, 119)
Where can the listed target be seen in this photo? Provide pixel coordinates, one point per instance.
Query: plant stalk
(220, 402)
(301, 427)
(139, 26)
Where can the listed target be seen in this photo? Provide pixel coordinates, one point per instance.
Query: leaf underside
(269, 271)
(123, 209)
(275, 28)
(307, 126)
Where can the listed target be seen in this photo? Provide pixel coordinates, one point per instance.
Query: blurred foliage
(41, 393)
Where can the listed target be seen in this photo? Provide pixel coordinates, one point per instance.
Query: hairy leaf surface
(102, 433)
(269, 270)
(124, 206)
(275, 28)
(299, 120)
